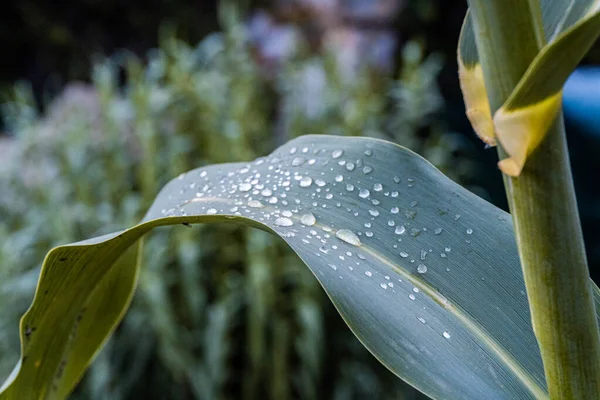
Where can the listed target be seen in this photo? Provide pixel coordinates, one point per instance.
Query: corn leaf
(425, 273)
(570, 27)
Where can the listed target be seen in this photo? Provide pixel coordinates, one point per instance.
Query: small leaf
(425, 273)
(473, 86)
(521, 131)
(524, 119)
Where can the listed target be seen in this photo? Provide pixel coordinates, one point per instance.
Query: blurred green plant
(239, 316)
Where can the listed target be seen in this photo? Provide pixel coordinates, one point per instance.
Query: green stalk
(544, 211)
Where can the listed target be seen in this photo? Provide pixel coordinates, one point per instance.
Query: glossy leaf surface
(425, 273)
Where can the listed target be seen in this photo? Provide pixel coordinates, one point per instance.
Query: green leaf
(425, 273)
(571, 28)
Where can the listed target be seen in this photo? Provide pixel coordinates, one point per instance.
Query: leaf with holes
(425, 273)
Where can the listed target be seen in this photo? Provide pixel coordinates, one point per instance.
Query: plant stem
(544, 211)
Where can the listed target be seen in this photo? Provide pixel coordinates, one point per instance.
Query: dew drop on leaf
(348, 236)
(298, 161)
(283, 221)
(400, 229)
(244, 187)
(305, 181)
(308, 219)
(255, 204)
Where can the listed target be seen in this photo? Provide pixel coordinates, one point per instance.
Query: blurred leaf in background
(239, 316)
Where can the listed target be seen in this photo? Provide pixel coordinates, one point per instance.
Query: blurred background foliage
(92, 131)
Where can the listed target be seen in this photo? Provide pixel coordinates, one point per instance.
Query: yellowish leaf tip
(520, 131)
(476, 102)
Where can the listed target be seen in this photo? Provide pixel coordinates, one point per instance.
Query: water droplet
(368, 152)
(286, 213)
(446, 335)
(337, 153)
(396, 179)
(378, 187)
(411, 296)
(282, 221)
(350, 187)
(305, 181)
(395, 210)
(367, 170)
(383, 285)
(339, 178)
(400, 229)
(348, 236)
(438, 231)
(323, 250)
(422, 320)
(266, 192)
(333, 267)
(293, 150)
(350, 166)
(457, 217)
(364, 193)
(369, 234)
(422, 268)
(391, 222)
(255, 204)
(374, 213)
(298, 161)
(368, 273)
(308, 219)
(447, 249)
(211, 211)
(244, 187)
(320, 182)
(403, 254)
(413, 203)
(423, 254)
(469, 231)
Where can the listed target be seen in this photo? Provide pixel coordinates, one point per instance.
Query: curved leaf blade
(425, 273)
